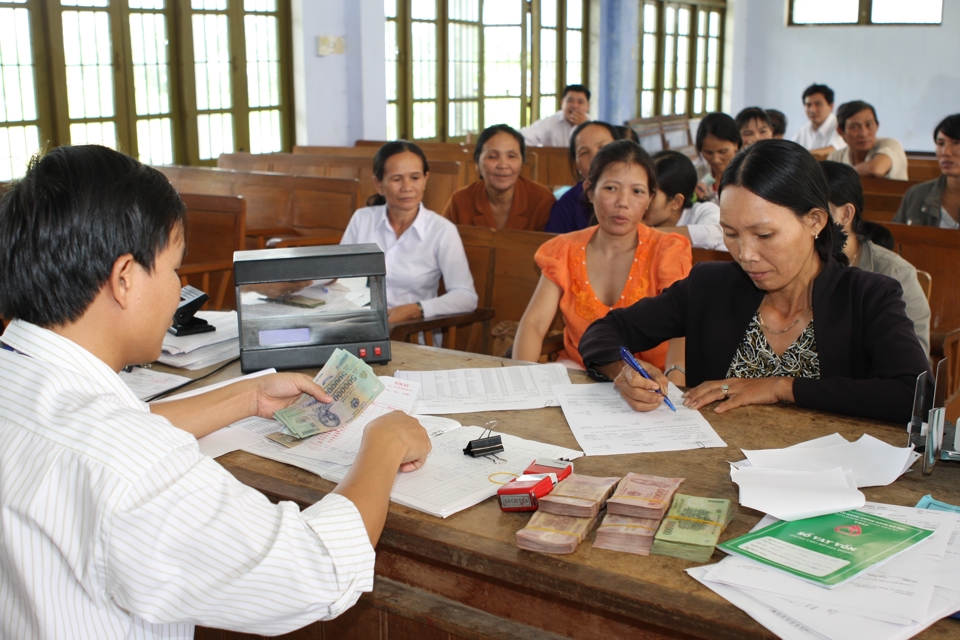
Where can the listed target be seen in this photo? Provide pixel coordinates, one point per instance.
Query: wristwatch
(675, 367)
(420, 306)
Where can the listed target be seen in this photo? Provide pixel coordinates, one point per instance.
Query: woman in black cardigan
(787, 322)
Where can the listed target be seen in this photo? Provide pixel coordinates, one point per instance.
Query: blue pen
(630, 360)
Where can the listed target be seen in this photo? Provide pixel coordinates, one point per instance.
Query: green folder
(828, 550)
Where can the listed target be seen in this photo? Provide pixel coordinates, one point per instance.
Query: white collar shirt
(823, 136)
(429, 249)
(113, 525)
(702, 221)
(552, 131)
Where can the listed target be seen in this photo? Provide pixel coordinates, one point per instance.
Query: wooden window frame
(691, 71)
(863, 19)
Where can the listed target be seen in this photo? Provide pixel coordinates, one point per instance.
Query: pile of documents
(692, 528)
(204, 349)
(833, 587)
(819, 476)
(146, 383)
(634, 513)
(349, 381)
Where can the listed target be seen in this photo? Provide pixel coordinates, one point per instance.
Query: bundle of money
(350, 382)
(578, 496)
(550, 533)
(692, 528)
(623, 533)
(642, 496)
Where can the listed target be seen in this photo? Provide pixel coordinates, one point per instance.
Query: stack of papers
(204, 349)
(146, 383)
(817, 477)
(604, 424)
(897, 599)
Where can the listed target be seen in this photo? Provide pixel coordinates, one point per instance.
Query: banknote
(294, 300)
(692, 528)
(285, 439)
(550, 533)
(641, 496)
(351, 383)
(578, 496)
(623, 533)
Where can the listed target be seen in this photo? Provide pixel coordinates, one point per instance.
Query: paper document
(493, 389)
(234, 437)
(604, 424)
(874, 463)
(793, 495)
(146, 383)
(219, 385)
(227, 328)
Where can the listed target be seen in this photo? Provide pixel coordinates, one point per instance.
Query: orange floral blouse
(661, 259)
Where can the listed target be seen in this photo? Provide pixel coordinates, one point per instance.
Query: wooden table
(464, 577)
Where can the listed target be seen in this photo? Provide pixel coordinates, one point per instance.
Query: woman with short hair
(501, 198)
(787, 321)
(937, 203)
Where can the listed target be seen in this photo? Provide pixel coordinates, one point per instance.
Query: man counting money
(112, 524)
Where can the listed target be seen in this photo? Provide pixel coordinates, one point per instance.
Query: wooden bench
(886, 186)
(445, 177)
(880, 207)
(216, 228)
(922, 169)
(277, 204)
(665, 132)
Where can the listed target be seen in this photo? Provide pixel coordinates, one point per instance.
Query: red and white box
(524, 492)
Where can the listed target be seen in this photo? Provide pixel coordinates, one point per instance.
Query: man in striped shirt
(112, 524)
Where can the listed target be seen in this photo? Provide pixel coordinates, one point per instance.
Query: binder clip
(486, 445)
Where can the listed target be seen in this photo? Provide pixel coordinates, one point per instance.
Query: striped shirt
(113, 525)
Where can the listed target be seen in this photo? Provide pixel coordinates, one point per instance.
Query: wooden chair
(880, 207)
(409, 331)
(205, 272)
(951, 351)
(926, 283)
(216, 228)
(923, 169)
(884, 185)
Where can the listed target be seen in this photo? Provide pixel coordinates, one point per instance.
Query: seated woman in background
(419, 246)
(786, 322)
(937, 203)
(611, 265)
(754, 125)
(502, 198)
(572, 212)
(673, 210)
(846, 207)
(718, 140)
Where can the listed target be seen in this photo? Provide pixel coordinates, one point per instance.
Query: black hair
(629, 133)
(620, 152)
(949, 126)
(752, 113)
(822, 89)
(844, 187)
(493, 130)
(615, 132)
(719, 125)
(676, 174)
(849, 109)
(576, 87)
(784, 173)
(67, 221)
(778, 121)
(386, 152)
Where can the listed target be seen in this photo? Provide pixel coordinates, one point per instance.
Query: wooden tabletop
(472, 557)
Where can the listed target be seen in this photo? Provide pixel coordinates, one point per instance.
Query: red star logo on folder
(849, 529)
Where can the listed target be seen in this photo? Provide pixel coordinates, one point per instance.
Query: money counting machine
(297, 305)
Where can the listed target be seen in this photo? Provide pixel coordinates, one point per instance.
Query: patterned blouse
(756, 359)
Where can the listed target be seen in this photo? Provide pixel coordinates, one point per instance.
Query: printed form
(487, 389)
(604, 424)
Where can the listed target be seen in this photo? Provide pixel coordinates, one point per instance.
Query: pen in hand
(630, 360)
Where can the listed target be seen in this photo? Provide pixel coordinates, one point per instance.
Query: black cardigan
(869, 354)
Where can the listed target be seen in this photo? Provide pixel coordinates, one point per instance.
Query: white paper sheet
(604, 424)
(234, 437)
(493, 389)
(204, 356)
(793, 495)
(873, 462)
(227, 328)
(823, 441)
(146, 383)
(942, 522)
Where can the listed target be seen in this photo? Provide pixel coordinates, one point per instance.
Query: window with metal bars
(455, 67)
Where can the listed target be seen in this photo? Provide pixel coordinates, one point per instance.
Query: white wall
(340, 98)
(911, 75)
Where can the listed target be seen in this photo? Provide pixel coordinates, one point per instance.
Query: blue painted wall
(619, 48)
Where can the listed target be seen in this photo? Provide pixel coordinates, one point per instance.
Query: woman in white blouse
(673, 210)
(420, 246)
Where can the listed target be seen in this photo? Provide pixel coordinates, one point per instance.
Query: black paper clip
(486, 445)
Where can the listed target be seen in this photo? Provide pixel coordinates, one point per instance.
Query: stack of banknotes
(642, 496)
(578, 496)
(692, 528)
(551, 533)
(350, 382)
(634, 513)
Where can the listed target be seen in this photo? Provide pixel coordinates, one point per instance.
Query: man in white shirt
(555, 130)
(820, 134)
(112, 524)
(871, 156)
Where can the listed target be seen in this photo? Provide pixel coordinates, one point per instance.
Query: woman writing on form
(611, 265)
(419, 246)
(786, 322)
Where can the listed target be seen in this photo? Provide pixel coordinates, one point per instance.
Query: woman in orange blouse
(502, 198)
(608, 266)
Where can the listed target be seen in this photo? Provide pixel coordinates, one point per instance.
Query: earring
(816, 236)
